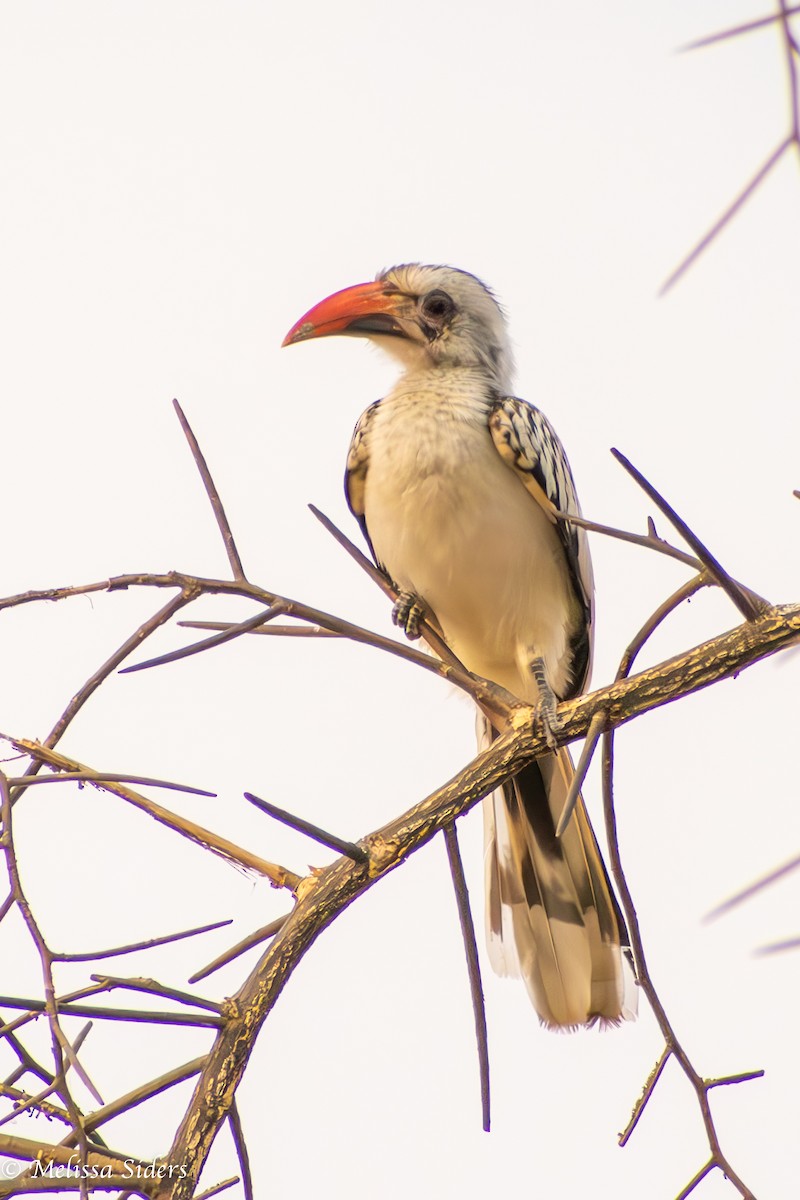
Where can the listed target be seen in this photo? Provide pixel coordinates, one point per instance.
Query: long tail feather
(551, 913)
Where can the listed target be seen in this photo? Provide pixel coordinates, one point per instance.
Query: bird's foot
(547, 708)
(407, 614)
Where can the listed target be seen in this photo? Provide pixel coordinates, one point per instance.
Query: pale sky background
(180, 182)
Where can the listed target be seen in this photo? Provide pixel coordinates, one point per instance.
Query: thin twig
(40, 1105)
(24, 1102)
(218, 639)
(700, 1086)
(218, 1187)
(252, 939)
(790, 54)
(649, 541)
(743, 601)
(375, 573)
(38, 1101)
(213, 495)
(272, 630)
(473, 967)
(754, 888)
(113, 1014)
(736, 30)
(26, 781)
(647, 1091)
(151, 987)
(148, 944)
(727, 216)
(278, 876)
(63, 1053)
(356, 853)
(240, 1145)
(587, 753)
(698, 1178)
(495, 701)
(742, 1077)
(779, 947)
(684, 592)
(30, 1015)
(26, 1059)
(142, 1093)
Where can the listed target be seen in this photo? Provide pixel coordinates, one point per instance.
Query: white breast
(453, 524)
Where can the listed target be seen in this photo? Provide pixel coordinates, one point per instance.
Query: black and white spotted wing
(355, 475)
(528, 442)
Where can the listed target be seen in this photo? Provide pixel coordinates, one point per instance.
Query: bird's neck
(449, 380)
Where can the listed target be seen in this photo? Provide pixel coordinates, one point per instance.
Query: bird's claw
(550, 723)
(547, 707)
(407, 614)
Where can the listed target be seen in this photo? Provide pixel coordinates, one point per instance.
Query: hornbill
(455, 483)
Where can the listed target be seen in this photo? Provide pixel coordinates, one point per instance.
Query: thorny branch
(323, 895)
(335, 887)
(791, 54)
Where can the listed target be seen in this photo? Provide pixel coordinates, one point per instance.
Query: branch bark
(325, 895)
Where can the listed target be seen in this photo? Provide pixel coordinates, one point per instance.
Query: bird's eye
(437, 308)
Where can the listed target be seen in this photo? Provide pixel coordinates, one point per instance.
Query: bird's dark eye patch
(436, 309)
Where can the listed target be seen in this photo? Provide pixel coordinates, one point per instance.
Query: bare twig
(648, 541)
(698, 1178)
(375, 573)
(147, 944)
(279, 876)
(113, 1014)
(252, 939)
(213, 495)
(142, 1093)
(737, 30)
(473, 967)
(273, 630)
(30, 1015)
(23, 1101)
(151, 987)
(727, 216)
(38, 1102)
(780, 947)
(587, 753)
(753, 888)
(647, 1091)
(26, 781)
(791, 54)
(684, 592)
(240, 1145)
(217, 1188)
(743, 600)
(63, 1053)
(26, 1060)
(357, 853)
(493, 699)
(742, 1077)
(701, 1086)
(226, 635)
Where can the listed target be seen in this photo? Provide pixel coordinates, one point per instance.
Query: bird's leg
(407, 614)
(547, 708)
